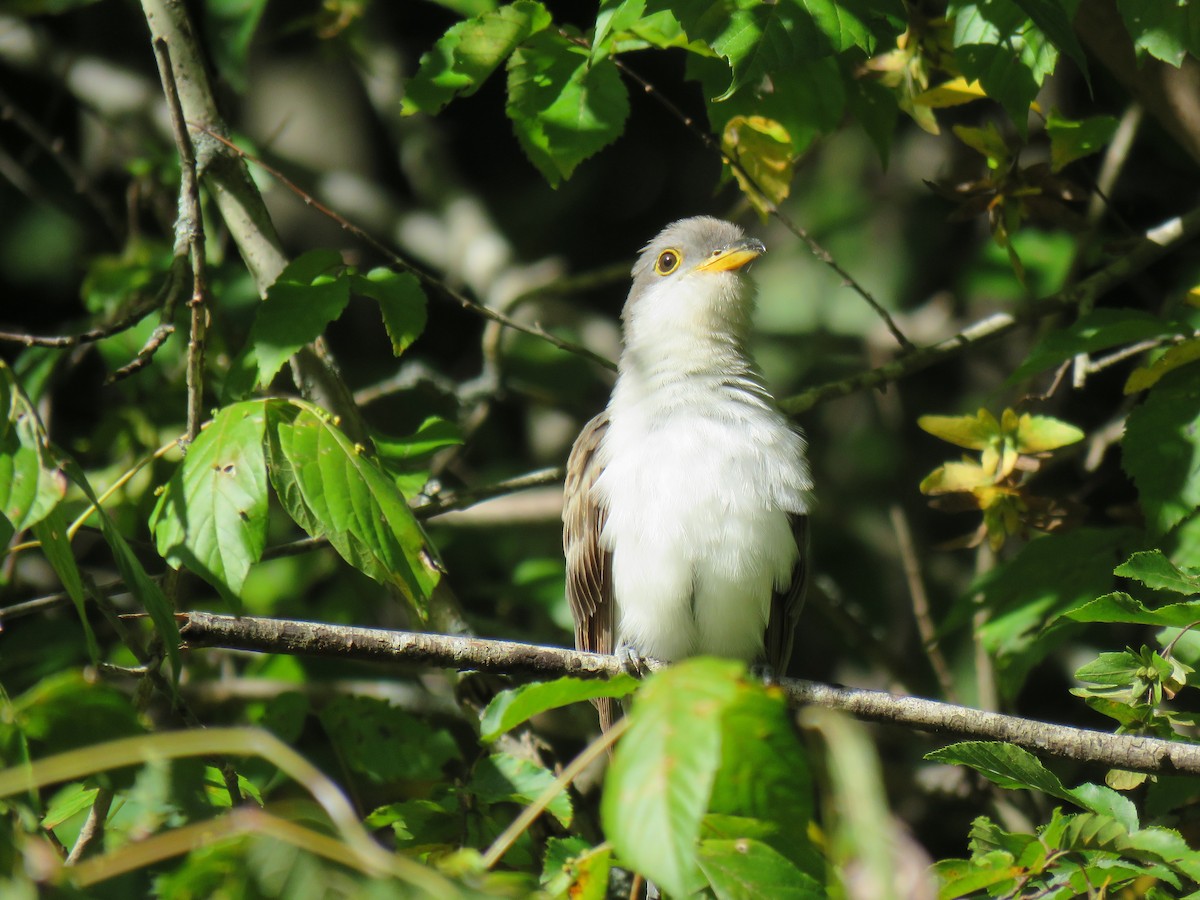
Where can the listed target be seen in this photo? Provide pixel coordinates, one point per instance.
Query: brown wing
(589, 567)
(786, 605)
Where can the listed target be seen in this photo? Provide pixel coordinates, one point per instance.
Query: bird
(686, 501)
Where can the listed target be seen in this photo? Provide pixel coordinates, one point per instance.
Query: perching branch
(1139, 754)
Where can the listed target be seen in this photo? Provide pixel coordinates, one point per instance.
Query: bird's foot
(632, 659)
(764, 672)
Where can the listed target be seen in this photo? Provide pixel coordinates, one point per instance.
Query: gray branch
(1139, 754)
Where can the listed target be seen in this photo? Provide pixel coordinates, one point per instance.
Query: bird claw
(764, 672)
(632, 660)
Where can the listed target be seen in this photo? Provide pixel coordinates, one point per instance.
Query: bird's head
(690, 283)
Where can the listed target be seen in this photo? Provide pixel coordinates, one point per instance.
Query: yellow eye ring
(667, 262)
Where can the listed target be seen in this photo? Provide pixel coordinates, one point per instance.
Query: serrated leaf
(1006, 765)
(955, 92)
(1158, 573)
(1165, 29)
(960, 877)
(401, 303)
(1145, 377)
(662, 772)
(1097, 330)
(332, 488)
(1054, 18)
(501, 778)
(1161, 450)
(211, 517)
(762, 149)
(1119, 607)
(509, 709)
(1071, 140)
(304, 299)
(997, 45)
(469, 52)
(747, 869)
(563, 108)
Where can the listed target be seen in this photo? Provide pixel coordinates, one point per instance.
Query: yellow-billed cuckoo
(685, 523)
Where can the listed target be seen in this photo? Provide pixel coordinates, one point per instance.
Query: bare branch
(1139, 754)
(1156, 243)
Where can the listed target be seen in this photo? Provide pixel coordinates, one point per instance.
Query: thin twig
(1136, 753)
(189, 234)
(92, 831)
(439, 287)
(920, 603)
(1157, 242)
(59, 341)
(772, 209)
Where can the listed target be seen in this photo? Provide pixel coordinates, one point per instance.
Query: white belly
(698, 526)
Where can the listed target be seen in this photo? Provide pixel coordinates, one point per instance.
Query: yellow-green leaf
(1038, 434)
(972, 432)
(955, 92)
(1147, 376)
(762, 149)
(954, 477)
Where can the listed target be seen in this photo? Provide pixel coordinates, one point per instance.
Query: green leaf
(1158, 573)
(747, 869)
(144, 588)
(1161, 450)
(572, 868)
(762, 149)
(1071, 140)
(464, 57)
(563, 108)
(501, 778)
(401, 303)
(972, 432)
(332, 488)
(1048, 577)
(1054, 18)
(1097, 330)
(1119, 607)
(30, 483)
(997, 45)
(384, 743)
(960, 877)
(68, 802)
(1041, 434)
(303, 300)
(509, 709)
(658, 786)
(52, 533)
(1014, 768)
(432, 434)
(211, 518)
(1165, 29)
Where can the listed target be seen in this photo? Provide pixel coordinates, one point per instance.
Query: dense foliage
(309, 337)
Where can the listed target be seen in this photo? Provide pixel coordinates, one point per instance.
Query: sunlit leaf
(509, 709)
(1156, 572)
(954, 92)
(1071, 140)
(211, 517)
(1145, 377)
(464, 57)
(332, 488)
(563, 108)
(972, 432)
(762, 149)
(401, 303)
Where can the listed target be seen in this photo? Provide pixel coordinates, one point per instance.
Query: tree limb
(1139, 754)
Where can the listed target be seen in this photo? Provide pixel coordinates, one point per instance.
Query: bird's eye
(668, 262)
